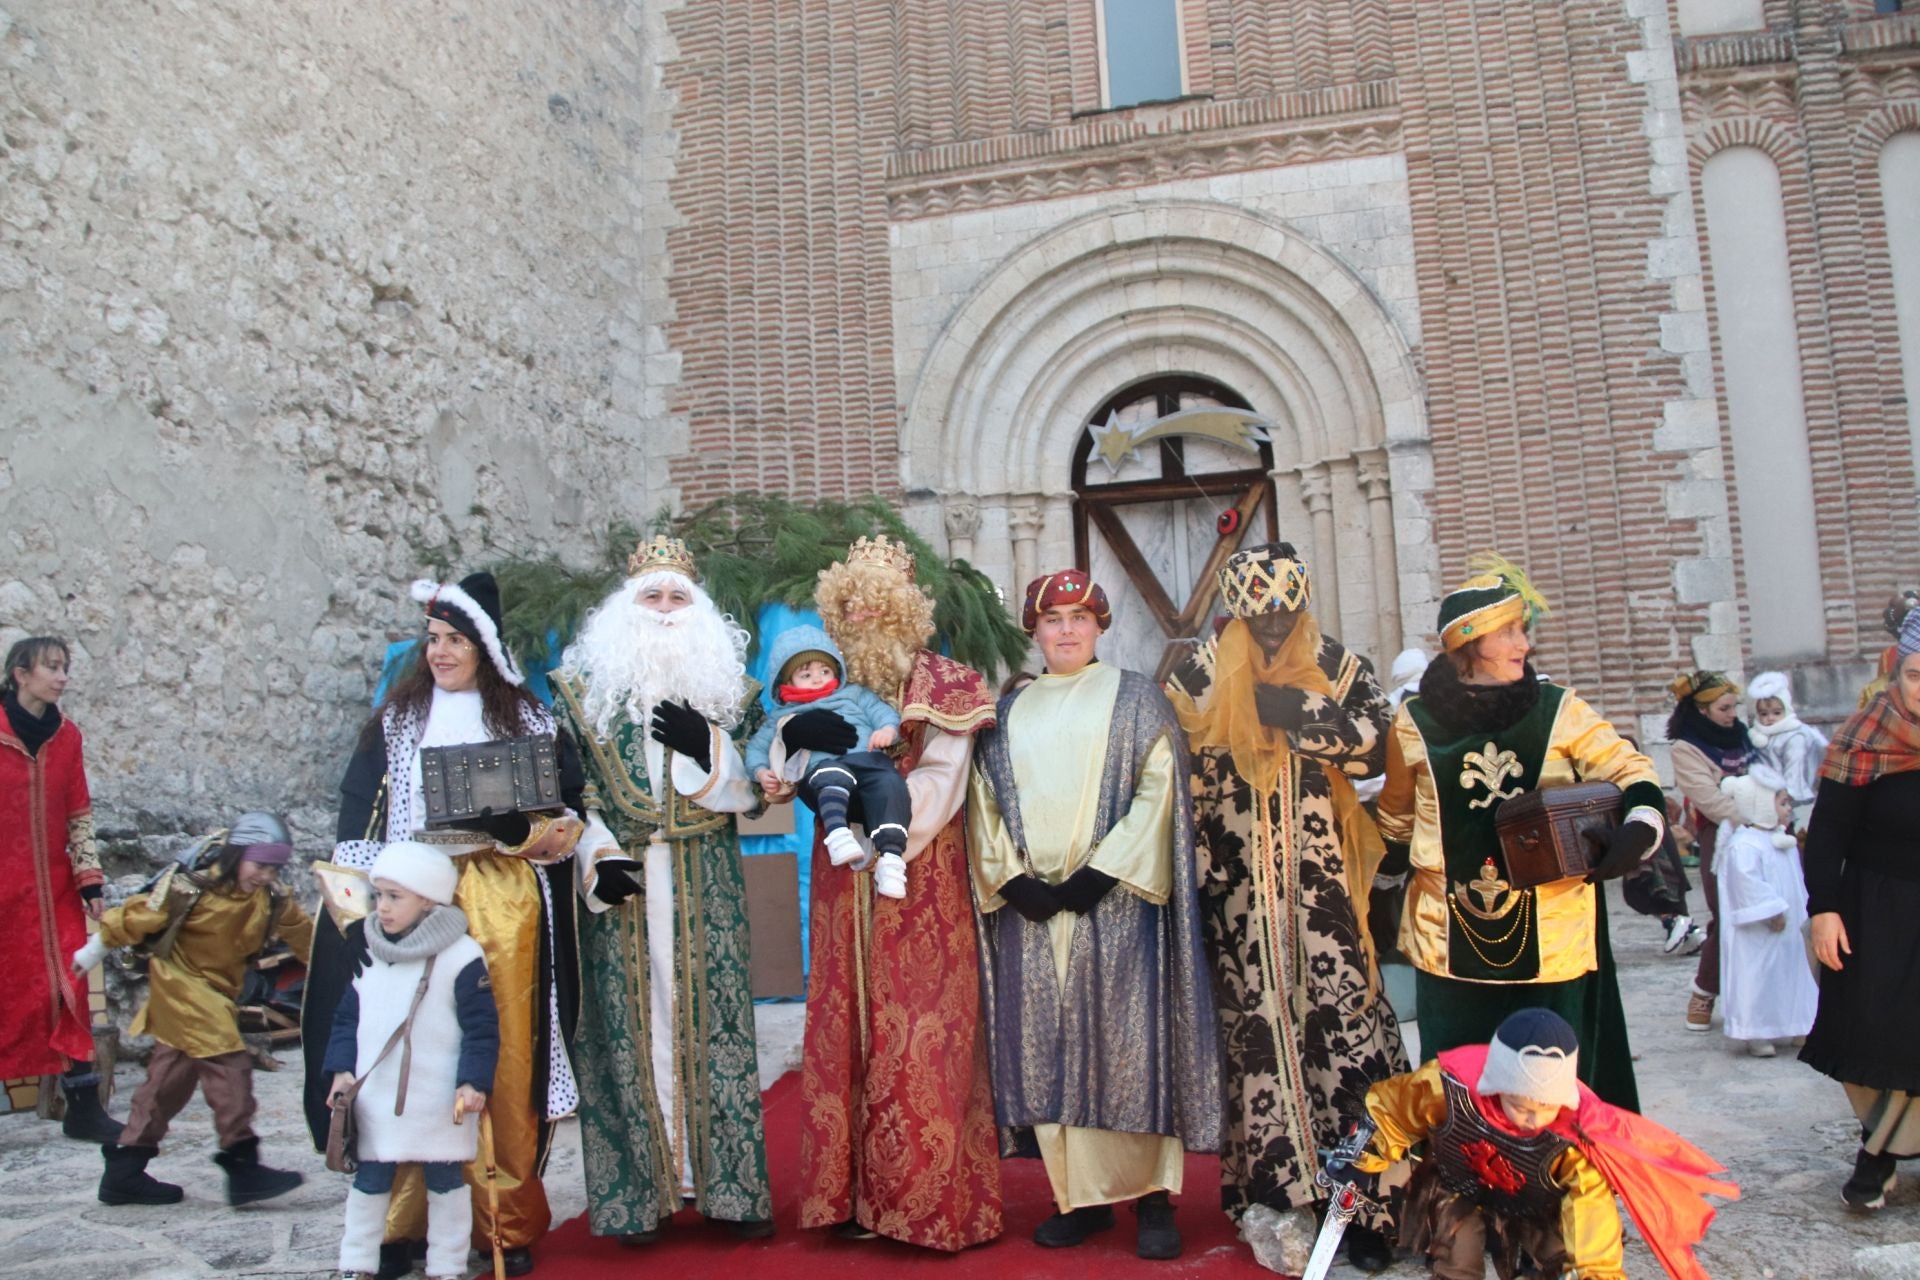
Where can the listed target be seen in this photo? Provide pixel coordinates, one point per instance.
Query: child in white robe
(1767, 990)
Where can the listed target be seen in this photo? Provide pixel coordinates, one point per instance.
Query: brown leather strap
(401, 1034)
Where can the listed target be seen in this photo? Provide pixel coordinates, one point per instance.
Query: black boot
(517, 1262)
(396, 1259)
(247, 1179)
(1064, 1230)
(126, 1180)
(1872, 1178)
(86, 1119)
(1159, 1239)
(751, 1228)
(1367, 1249)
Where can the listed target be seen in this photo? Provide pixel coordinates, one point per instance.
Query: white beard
(631, 658)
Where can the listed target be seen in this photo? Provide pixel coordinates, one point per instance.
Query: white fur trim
(426, 589)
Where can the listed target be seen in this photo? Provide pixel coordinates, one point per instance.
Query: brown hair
(501, 703)
(27, 654)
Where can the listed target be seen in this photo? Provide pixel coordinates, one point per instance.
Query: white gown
(1767, 989)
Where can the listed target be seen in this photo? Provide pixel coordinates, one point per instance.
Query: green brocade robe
(678, 1112)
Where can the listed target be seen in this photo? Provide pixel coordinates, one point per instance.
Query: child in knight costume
(810, 676)
(1522, 1157)
(425, 984)
(201, 924)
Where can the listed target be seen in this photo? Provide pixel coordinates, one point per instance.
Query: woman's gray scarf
(439, 929)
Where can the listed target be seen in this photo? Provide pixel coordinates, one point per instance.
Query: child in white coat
(1767, 990)
(418, 944)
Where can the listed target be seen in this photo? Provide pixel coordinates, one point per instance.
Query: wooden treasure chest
(1543, 834)
(487, 779)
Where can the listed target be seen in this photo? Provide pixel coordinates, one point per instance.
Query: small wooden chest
(487, 779)
(1543, 834)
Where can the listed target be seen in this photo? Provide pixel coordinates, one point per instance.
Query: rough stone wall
(298, 301)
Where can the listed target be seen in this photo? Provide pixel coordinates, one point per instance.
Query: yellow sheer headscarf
(1228, 720)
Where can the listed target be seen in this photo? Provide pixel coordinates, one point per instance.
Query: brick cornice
(1724, 53)
(1895, 31)
(1361, 118)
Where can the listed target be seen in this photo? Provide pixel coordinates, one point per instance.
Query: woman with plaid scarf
(1863, 894)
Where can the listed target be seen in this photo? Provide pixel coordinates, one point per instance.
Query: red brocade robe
(46, 858)
(898, 1131)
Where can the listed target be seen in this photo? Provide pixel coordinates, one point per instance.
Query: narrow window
(1140, 51)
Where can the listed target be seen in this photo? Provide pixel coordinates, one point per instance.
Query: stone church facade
(294, 302)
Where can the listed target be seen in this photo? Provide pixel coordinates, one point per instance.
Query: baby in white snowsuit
(415, 936)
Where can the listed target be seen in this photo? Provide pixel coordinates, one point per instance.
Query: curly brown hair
(501, 704)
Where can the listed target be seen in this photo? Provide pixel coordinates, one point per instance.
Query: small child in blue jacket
(808, 674)
(417, 942)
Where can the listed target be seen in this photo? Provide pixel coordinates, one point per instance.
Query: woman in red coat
(50, 881)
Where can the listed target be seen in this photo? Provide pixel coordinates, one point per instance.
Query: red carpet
(694, 1247)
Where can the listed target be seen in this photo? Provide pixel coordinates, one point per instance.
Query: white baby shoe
(890, 876)
(843, 847)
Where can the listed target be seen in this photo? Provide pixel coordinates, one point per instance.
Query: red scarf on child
(789, 693)
(1661, 1176)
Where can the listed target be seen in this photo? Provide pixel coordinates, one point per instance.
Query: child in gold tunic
(202, 928)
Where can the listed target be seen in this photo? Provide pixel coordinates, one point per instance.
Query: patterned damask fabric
(631, 1183)
(898, 1127)
(1301, 1058)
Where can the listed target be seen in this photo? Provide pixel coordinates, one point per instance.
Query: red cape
(1661, 1176)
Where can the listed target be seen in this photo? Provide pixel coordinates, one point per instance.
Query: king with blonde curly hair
(889, 1147)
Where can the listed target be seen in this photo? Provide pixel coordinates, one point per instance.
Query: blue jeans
(375, 1177)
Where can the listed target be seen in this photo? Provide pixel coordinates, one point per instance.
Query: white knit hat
(419, 867)
(1534, 1055)
(1752, 794)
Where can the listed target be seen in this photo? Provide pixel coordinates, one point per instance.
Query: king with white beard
(655, 690)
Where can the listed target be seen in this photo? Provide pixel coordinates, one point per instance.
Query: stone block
(1701, 581)
(1696, 499)
(1886, 1262)
(1688, 425)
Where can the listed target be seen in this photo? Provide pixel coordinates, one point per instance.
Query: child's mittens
(86, 958)
(1777, 924)
(883, 738)
(890, 876)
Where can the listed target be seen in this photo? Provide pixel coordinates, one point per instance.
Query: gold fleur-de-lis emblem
(1490, 768)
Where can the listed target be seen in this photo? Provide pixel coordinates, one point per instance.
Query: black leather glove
(1083, 890)
(1280, 707)
(819, 730)
(681, 729)
(1031, 898)
(92, 892)
(1623, 851)
(615, 882)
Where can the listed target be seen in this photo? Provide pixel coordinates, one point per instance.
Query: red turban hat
(1057, 590)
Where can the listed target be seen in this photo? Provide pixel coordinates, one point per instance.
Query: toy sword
(1339, 1178)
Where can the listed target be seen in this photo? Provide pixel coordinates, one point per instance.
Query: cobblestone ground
(1785, 1132)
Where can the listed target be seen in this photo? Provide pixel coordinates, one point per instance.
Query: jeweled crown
(661, 554)
(878, 550)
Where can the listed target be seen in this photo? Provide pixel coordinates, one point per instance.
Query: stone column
(1377, 483)
(1316, 487)
(963, 523)
(1025, 519)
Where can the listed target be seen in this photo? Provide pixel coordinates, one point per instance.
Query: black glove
(1083, 890)
(681, 729)
(819, 730)
(1399, 859)
(1280, 707)
(614, 882)
(1031, 898)
(509, 829)
(1623, 850)
(92, 892)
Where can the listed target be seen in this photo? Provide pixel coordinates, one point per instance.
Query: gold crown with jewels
(661, 554)
(879, 551)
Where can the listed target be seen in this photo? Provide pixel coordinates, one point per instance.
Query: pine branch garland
(754, 549)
